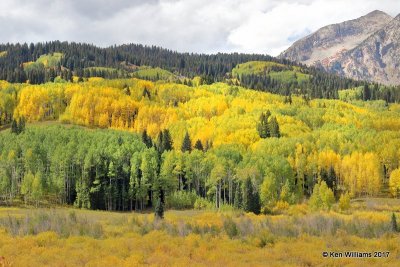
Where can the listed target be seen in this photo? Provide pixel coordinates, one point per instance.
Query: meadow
(297, 237)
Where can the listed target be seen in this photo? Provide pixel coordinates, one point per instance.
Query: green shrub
(202, 204)
(230, 228)
(181, 200)
(322, 197)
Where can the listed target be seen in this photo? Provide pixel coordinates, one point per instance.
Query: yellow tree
(394, 183)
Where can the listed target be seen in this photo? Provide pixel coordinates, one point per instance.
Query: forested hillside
(191, 146)
(55, 61)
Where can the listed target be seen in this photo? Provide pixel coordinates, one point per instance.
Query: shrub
(280, 206)
(265, 238)
(322, 197)
(344, 202)
(394, 223)
(202, 204)
(230, 228)
(181, 200)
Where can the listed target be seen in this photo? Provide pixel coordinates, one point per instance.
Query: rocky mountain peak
(363, 48)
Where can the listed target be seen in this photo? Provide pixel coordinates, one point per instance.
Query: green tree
(186, 144)
(21, 125)
(149, 170)
(198, 145)
(394, 223)
(218, 173)
(262, 126)
(160, 144)
(134, 179)
(14, 126)
(37, 188)
(251, 199)
(147, 139)
(159, 209)
(26, 186)
(274, 127)
(167, 140)
(322, 197)
(268, 193)
(164, 141)
(238, 198)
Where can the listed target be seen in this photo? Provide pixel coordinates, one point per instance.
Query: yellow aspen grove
(362, 174)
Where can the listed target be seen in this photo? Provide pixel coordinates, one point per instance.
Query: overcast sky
(207, 26)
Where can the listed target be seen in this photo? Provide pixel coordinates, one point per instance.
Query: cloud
(206, 26)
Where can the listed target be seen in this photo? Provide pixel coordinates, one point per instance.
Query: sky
(199, 26)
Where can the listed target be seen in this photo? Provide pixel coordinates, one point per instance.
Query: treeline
(320, 85)
(80, 59)
(112, 170)
(118, 171)
(78, 56)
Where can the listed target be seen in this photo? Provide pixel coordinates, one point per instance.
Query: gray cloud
(209, 26)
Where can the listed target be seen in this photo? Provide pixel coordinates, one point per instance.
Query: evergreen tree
(262, 126)
(198, 145)
(366, 93)
(251, 199)
(274, 127)
(160, 143)
(159, 209)
(146, 139)
(14, 126)
(237, 201)
(167, 140)
(394, 223)
(146, 93)
(21, 125)
(186, 144)
(290, 99)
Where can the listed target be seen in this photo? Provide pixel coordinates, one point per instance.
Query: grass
(70, 237)
(150, 73)
(276, 71)
(50, 60)
(106, 69)
(289, 76)
(255, 67)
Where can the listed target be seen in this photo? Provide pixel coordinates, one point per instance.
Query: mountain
(365, 48)
(375, 59)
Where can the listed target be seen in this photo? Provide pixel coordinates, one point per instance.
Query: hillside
(60, 62)
(180, 128)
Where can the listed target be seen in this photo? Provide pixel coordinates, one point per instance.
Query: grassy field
(145, 72)
(276, 71)
(297, 237)
(255, 67)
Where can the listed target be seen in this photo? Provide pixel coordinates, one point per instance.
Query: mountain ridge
(376, 58)
(339, 48)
